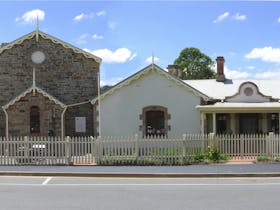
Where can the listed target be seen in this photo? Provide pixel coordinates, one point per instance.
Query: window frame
(34, 117)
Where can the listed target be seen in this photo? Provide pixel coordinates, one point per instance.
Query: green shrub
(264, 158)
(214, 155)
(276, 159)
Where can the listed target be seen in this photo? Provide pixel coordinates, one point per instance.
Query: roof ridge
(54, 40)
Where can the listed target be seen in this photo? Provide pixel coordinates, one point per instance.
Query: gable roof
(51, 38)
(29, 90)
(221, 90)
(144, 72)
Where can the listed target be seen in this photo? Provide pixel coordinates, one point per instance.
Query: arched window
(154, 121)
(34, 119)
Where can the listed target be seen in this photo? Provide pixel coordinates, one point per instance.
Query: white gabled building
(150, 102)
(154, 101)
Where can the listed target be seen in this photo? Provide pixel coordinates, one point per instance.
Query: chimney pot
(174, 70)
(220, 69)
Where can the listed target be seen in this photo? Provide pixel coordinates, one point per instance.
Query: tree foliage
(195, 64)
(105, 88)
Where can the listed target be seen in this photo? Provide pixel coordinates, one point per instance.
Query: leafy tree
(105, 88)
(195, 64)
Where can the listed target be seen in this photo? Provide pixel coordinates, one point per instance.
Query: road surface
(136, 194)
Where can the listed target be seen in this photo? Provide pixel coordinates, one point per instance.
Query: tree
(105, 88)
(195, 64)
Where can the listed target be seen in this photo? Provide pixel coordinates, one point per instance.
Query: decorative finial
(153, 60)
(37, 28)
(34, 82)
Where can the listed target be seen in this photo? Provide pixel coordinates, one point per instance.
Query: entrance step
(239, 160)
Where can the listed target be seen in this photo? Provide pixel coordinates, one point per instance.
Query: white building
(156, 102)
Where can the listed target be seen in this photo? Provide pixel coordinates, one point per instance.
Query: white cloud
(150, 59)
(112, 25)
(267, 54)
(101, 13)
(83, 16)
(251, 67)
(221, 17)
(238, 74)
(31, 16)
(96, 36)
(239, 17)
(235, 74)
(82, 39)
(133, 56)
(278, 20)
(79, 17)
(120, 55)
(111, 81)
(268, 75)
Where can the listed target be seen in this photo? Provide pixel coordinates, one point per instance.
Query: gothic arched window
(34, 119)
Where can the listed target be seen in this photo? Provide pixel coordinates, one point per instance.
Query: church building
(46, 86)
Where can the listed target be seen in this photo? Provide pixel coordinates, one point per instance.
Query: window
(155, 123)
(221, 123)
(275, 122)
(34, 119)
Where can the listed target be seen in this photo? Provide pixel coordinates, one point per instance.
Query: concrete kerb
(140, 175)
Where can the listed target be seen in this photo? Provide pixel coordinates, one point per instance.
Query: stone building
(46, 86)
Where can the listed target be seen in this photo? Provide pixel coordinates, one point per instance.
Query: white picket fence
(46, 150)
(131, 150)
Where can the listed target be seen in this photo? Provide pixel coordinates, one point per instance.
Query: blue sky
(126, 33)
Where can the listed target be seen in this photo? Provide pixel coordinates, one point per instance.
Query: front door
(249, 123)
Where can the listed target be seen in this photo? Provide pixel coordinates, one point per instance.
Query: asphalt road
(137, 194)
(198, 169)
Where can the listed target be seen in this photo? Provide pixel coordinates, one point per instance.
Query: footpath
(191, 171)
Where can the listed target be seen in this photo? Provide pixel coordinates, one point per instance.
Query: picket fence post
(184, 147)
(92, 147)
(269, 140)
(26, 148)
(98, 150)
(136, 146)
(67, 150)
(212, 139)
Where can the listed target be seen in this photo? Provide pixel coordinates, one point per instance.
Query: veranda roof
(240, 107)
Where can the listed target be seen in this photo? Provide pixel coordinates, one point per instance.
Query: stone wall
(85, 110)
(19, 115)
(68, 76)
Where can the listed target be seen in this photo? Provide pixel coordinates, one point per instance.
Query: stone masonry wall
(85, 110)
(68, 76)
(19, 115)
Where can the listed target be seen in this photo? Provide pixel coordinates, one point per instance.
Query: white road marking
(166, 184)
(46, 181)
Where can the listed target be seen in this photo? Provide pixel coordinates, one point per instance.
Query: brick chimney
(220, 69)
(174, 70)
